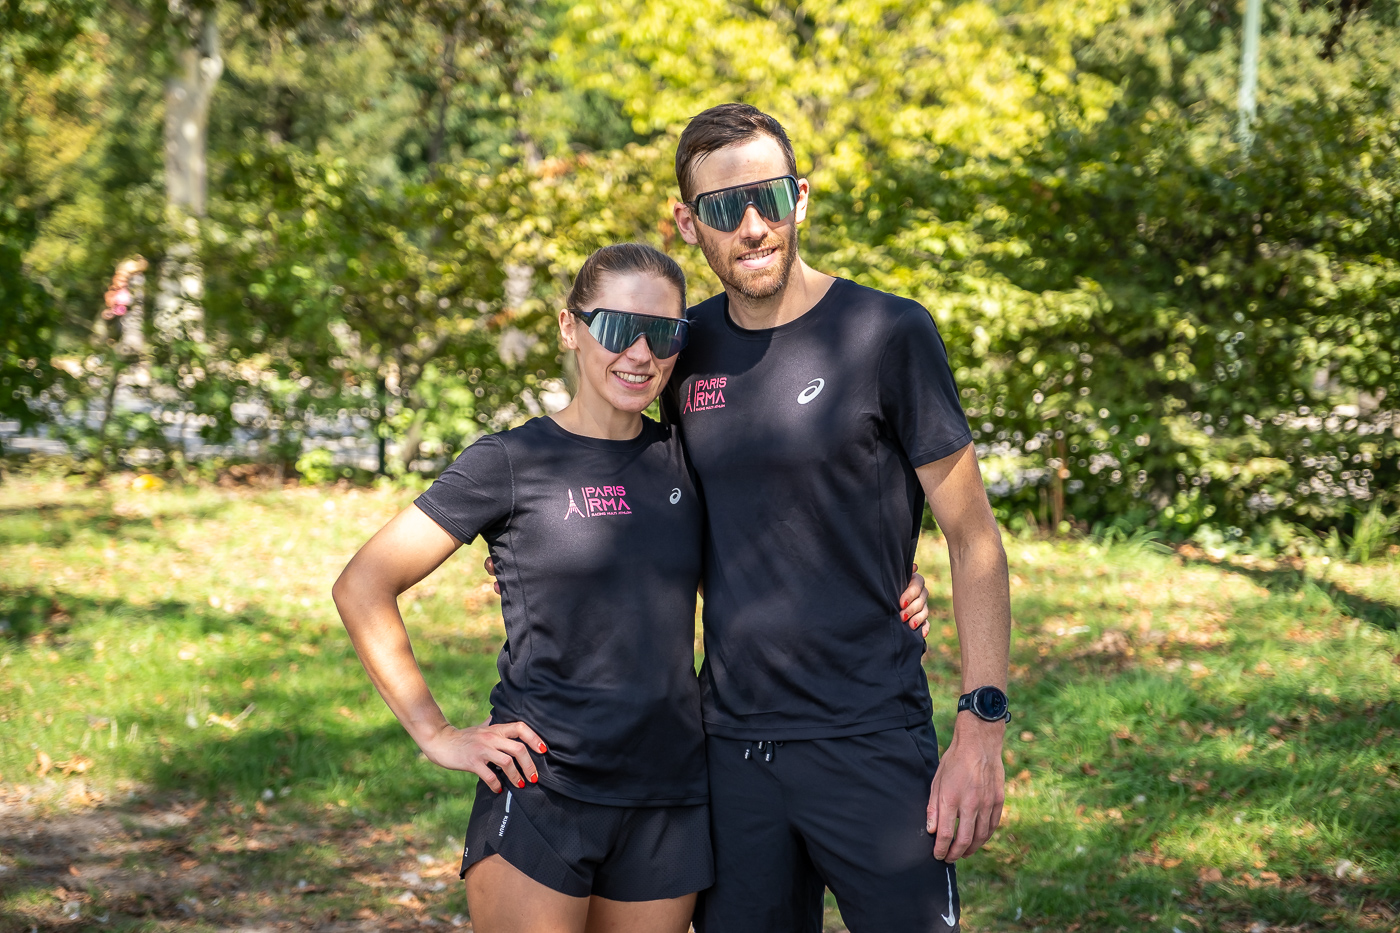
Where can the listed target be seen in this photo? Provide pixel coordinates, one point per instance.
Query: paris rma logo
(705, 394)
(598, 501)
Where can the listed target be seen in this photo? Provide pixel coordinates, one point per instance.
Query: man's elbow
(978, 546)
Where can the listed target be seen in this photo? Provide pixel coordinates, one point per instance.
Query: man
(818, 415)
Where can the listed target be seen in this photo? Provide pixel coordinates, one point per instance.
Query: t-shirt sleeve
(918, 396)
(476, 492)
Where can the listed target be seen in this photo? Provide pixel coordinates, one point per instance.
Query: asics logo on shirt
(675, 495)
(814, 388)
(598, 500)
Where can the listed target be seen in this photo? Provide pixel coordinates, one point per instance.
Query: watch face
(989, 703)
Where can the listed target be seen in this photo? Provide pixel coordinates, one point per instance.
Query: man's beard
(763, 284)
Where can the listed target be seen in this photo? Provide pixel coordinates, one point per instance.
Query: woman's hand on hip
(476, 748)
(913, 603)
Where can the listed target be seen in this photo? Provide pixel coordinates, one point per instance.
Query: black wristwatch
(986, 703)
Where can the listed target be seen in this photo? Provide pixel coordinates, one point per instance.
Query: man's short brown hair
(719, 127)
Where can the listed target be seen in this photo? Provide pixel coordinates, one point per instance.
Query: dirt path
(86, 862)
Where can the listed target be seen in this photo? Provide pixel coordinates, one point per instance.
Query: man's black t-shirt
(597, 545)
(804, 439)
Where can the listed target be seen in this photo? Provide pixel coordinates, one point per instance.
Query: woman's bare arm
(402, 553)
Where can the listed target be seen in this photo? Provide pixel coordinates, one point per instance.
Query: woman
(594, 528)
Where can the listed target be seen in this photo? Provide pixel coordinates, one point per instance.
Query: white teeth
(632, 378)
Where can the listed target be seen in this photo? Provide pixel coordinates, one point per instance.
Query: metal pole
(1249, 72)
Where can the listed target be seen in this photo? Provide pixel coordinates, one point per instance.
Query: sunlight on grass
(1196, 746)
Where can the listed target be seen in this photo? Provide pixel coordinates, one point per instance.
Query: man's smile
(758, 258)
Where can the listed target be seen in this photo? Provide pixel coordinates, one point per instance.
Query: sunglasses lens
(667, 338)
(615, 331)
(775, 200)
(724, 210)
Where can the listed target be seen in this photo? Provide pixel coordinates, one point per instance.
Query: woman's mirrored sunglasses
(724, 209)
(618, 330)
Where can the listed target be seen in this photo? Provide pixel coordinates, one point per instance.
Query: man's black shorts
(582, 849)
(792, 818)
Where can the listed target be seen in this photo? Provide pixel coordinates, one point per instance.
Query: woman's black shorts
(582, 849)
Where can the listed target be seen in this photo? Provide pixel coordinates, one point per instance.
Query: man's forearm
(982, 609)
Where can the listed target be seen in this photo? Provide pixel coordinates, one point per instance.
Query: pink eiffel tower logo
(573, 508)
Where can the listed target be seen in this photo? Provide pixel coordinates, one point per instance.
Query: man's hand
(913, 603)
(489, 566)
(477, 748)
(969, 788)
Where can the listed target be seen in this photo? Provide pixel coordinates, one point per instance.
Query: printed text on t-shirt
(704, 394)
(598, 500)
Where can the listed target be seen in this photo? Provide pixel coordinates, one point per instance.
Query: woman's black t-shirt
(597, 546)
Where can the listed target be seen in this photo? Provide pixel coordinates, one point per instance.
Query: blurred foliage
(1152, 327)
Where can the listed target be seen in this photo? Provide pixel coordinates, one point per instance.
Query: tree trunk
(187, 96)
(179, 313)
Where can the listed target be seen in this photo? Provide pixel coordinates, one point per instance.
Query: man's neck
(805, 287)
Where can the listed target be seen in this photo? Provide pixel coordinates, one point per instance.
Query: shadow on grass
(29, 611)
(306, 814)
(57, 524)
(1297, 767)
(1286, 581)
(1221, 796)
(180, 863)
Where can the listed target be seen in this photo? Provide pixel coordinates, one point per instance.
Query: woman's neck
(590, 416)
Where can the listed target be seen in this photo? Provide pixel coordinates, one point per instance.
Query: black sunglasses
(618, 330)
(723, 209)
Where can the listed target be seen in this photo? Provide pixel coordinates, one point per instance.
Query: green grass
(1196, 746)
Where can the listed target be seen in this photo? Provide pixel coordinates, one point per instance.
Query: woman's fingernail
(521, 784)
(903, 603)
(542, 748)
(534, 779)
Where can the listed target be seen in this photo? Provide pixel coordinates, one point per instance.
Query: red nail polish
(534, 779)
(521, 784)
(542, 748)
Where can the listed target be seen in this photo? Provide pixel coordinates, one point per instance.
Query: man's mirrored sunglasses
(618, 330)
(724, 208)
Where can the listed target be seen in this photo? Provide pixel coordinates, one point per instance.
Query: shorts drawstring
(766, 749)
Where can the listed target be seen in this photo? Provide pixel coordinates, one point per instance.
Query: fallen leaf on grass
(75, 765)
(1089, 769)
(1211, 875)
(231, 722)
(45, 764)
(1155, 859)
